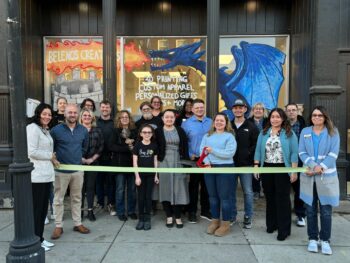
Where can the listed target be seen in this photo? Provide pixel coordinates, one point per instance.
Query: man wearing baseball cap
(246, 136)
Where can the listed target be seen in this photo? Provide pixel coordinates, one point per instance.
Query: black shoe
(281, 237)
(140, 225)
(91, 216)
(169, 225)
(192, 218)
(206, 215)
(147, 225)
(133, 216)
(179, 225)
(122, 218)
(270, 230)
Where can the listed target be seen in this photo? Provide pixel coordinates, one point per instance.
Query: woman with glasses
(319, 186)
(121, 145)
(147, 117)
(277, 146)
(157, 106)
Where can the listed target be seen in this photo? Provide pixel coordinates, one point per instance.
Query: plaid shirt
(296, 128)
(96, 142)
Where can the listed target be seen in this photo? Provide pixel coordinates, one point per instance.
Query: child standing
(145, 155)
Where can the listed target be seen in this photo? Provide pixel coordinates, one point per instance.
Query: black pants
(172, 210)
(144, 197)
(299, 208)
(105, 185)
(256, 185)
(193, 188)
(41, 193)
(278, 205)
(88, 189)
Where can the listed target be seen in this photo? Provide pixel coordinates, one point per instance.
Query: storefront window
(169, 70)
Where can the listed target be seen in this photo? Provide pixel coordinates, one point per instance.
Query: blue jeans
(246, 183)
(220, 187)
(127, 181)
(312, 221)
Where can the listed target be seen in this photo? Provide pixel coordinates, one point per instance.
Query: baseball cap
(239, 102)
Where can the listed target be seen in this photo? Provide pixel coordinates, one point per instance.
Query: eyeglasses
(146, 132)
(156, 102)
(146, 109)
(317, 115)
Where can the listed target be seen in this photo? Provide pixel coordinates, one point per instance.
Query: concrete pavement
(111, 240)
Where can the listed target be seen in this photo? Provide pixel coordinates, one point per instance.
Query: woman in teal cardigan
(277, 146)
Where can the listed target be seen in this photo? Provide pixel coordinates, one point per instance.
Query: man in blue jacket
(70, 144)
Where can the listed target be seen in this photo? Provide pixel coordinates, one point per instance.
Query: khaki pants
(75, 181)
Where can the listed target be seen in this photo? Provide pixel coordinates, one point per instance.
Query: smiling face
(124, 119)
(198, 110)
(146, 133)
(71, 114)
(258, 112)
(45, 118)
(88, 105)
(105, 110)
(317, 118)
(220, 123)
(276, 120)
(169, 118)
(86, 118)
(156, 104)
(239, 111)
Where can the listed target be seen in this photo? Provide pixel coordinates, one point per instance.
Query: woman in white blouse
(40, 153)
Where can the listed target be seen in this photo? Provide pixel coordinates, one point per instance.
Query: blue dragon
(258, 75)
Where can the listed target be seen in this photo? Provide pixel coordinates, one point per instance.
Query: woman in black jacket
(173, 188)
(121, 144)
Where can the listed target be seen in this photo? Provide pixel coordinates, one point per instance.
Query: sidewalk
(111, 240)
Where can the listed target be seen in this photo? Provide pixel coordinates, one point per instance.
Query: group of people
(169, 139)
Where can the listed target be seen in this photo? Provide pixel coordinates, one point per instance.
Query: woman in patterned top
(277, 146)
(96, 142)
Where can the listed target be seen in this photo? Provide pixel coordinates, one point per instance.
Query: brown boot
(214, 224)
(57, 232)
(81, 229)
(223, 230)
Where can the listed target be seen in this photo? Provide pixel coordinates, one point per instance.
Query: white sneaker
(45, 247)
(46, 221)
(47, 243)
(313, 246)
(326, 248)
(300, 221)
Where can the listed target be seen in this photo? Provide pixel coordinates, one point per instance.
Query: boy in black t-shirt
(145, 155)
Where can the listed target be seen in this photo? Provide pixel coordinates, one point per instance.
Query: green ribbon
(214, 170)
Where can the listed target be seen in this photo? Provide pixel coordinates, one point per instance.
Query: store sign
(67, 55)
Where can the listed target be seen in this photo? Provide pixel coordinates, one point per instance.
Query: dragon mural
(258, 75)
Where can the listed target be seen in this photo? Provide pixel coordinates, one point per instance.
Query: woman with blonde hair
(220, 146)
(121, 144)
(258, 115)
(95, 148)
